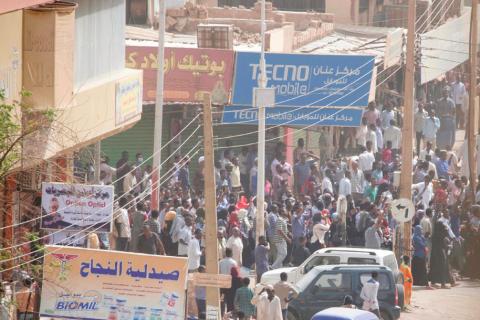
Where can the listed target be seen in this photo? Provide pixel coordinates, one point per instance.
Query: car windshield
(305, 281)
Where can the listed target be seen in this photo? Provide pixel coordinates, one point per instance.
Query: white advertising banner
(77, 207)
(393, 48)
(445, 47)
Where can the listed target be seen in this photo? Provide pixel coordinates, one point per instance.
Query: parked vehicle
(336, 256)
(326, 286)
(344, 314)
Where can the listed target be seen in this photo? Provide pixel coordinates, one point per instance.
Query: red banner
(189, 73)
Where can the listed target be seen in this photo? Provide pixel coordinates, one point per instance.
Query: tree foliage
(18, 121)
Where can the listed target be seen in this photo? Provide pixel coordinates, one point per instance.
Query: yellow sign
(128, 99)
(91, 284)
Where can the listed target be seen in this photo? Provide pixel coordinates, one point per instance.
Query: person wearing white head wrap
(268, 304)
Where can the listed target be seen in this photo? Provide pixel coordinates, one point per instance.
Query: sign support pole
(157, 131)
(211, 247)
(262, 82)
(471, 139)
(97, 160)
(407, 130)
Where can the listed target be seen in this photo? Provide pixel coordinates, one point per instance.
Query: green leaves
(18, 121)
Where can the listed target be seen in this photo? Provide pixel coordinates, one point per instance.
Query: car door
(326, 291)
(385, 289)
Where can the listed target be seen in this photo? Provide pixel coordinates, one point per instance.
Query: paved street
(459, 303)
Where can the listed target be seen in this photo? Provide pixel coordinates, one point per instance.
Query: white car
(335, 256)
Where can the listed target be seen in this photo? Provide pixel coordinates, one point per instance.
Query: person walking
(194, 251)
(418, 123)
(153, 223)
(268, 304)
(122, 226)
(280, 239)
(149, 242)
(430, 128)
(286, 292)
(236, 244)
(243, 299)
(138, 220)
(458, 96)
(369, 295)
(419, 260)
(201, 296)
(261, 257)
(236, 283)
(439, 270)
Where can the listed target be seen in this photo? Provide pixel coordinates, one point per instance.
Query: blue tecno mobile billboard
(306, 80)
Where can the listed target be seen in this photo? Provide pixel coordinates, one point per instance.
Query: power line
(117, 180)
(92, 214)
(84, 232)
(315, 110)
(303, 128)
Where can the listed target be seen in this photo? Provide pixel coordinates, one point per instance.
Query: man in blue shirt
(442, 166)
(301, 172)
(298, 223)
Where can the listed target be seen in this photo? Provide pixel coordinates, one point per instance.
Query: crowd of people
(314, 201)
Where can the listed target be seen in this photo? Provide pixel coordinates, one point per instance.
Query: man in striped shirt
(153, 223)
(280, 239)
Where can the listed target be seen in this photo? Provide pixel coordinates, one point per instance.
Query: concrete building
(52, 50)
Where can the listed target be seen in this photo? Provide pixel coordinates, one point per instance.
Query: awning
(354, 40)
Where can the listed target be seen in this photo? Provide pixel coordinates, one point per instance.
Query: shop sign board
(81, 283)
(212, 280)
(128, 99)
(77, 207)
(306, 79)
(295, 116)
(189, 73)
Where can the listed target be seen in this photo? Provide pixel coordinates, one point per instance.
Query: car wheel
(401, 295)
(385, 315)
(291, 316)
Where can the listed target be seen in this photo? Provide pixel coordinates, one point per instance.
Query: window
(99, 39)
(361, 261)
(363, 5)
(391, 262)
(334, 281)
(383, 279)
(321, 260)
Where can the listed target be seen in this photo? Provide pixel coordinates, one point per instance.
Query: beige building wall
(91, 116)
(100, 107)
(11, 54)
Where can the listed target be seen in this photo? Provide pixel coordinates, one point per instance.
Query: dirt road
(459, 303)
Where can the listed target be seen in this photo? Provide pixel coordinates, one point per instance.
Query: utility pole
(98, 156)
(157, 131)
(407, 130)
(471, 137)
(211, 247)
(262, 83)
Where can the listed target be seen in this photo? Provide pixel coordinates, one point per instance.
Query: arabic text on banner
(189, 73)
(289, 116)
(306, 80)
(95, 284)
(77, 207)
